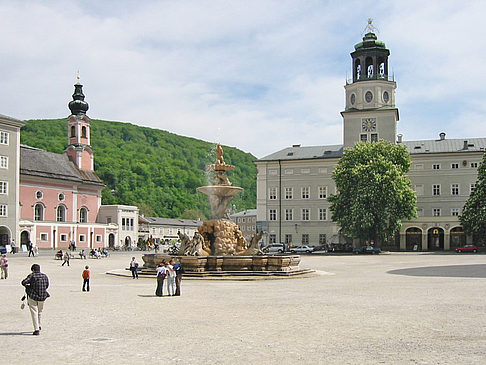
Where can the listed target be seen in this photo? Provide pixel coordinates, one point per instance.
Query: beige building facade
(246, 221)
(293, 184)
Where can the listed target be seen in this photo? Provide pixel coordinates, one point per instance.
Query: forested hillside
(156, 170)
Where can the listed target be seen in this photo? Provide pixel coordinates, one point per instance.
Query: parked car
(367, 250)
(467, 248)
(274, 247)
(3, 250)
(297, 249)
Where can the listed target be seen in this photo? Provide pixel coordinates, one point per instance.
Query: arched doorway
(435, 239)
(128, 241)
(4, 236)
(24, 238)
(413, 239)
(458, 237)
(111, 240)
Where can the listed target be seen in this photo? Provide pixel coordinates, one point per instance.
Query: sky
(260, 75)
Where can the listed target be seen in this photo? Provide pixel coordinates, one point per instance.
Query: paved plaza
(399, 308)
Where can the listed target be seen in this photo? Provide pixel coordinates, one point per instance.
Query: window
(474, 165)
(288, 238)
(39, 212)
(454, 165)
(472, 187)
(238, 220)
(419, 166)
(436, 212)
(61, 197)
(272, 194)
(374, 137)
(305, 193)
(289, 214)
(61, 213)
(454, 212)
(242, 228)
(124, 224)
(83, 215)
(305, 239)
(3, 137)
(3, 187)
(272, 172)
(436, 189)
(419, 189)
(243, 220)
(273, 238)
(289, 172)
(98, 238)
(39, 195)
(305, 214)
(43, 236)
(73, 131)
(322, 214)
(322, 238)
(289, 193)
(305, 171)
(132, 225)
(323, 170)
(363, 138)
(436, 166)
(455, 189)
(322, 192)
(81, 238)
(3, 210)
(420, 212)
(272, 214)
(83, 132)
(108, 220)
(63, 237)
(3, 162)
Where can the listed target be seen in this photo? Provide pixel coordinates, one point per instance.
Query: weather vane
(370, 28)
(78, 78)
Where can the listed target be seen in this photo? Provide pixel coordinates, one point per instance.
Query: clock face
(386, 97)
(353, 99)
(368, 125)
(368, 96)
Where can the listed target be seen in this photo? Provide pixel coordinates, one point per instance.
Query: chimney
(465, 145)
(399, 138)
(442, 136)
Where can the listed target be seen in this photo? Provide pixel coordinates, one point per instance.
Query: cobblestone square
(399, 308)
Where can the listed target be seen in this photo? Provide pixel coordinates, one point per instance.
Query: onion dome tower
(79, 144)
(370, 113)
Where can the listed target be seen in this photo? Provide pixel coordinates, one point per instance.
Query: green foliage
(374, 194)
(473, 217)
(153, 169)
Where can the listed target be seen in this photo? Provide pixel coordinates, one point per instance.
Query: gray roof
(245, 213)
(170, 221)
(40, 163)
(9, 120)
(413, 147)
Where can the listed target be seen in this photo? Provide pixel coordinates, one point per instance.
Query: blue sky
(258, 75)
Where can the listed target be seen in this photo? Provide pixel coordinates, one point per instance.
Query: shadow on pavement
(453, 271)
(147, 295)
(16, 333)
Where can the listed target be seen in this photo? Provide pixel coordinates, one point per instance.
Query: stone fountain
(219, 248)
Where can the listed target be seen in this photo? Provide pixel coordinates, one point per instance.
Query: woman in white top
(171, 285)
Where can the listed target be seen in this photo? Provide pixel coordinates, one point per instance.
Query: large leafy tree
(374, 192)
(473, 217)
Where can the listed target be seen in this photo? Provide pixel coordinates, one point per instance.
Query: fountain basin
(220, 190)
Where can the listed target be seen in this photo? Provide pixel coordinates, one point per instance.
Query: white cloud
(258, 75)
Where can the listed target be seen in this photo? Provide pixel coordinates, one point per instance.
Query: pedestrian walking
(86, 276)
(66, 258)
(171, 278)
(13, 247)
(36, 284)
(4, 267)
(179, 270)
(30, 247)
(134, 268)
(161, 274)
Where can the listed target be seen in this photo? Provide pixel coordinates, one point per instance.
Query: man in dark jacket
(36, 285)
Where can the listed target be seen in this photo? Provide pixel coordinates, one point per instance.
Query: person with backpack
(161, 274)
(179, 270)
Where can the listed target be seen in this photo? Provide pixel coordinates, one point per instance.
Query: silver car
(301, 249)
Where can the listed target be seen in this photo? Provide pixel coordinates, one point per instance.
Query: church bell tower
(370, 114)
(79, 148)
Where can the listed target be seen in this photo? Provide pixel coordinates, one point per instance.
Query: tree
(374, 192)
(473, 217)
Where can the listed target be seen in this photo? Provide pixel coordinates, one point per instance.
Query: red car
(467, 248)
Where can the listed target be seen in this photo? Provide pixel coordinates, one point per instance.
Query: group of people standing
(173, 272)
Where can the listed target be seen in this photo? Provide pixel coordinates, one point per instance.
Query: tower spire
(78, 106)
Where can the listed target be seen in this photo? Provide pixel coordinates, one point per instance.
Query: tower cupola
(78, 106)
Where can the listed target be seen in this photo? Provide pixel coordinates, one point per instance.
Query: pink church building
(60, 194)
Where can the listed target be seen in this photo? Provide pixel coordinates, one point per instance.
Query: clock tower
(370, 113)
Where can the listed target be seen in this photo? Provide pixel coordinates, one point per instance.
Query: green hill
(156, 170)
